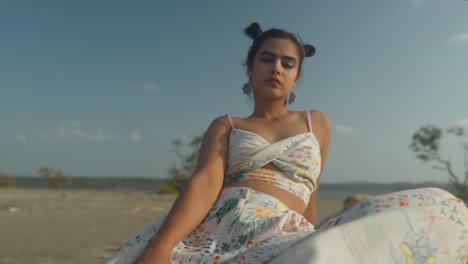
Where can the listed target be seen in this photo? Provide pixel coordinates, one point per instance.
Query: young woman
(252, 196)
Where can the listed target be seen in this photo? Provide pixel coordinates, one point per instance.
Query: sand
(82, 226)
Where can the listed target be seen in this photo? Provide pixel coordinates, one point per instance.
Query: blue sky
(101, 88)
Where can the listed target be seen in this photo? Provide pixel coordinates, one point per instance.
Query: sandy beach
(81, 226)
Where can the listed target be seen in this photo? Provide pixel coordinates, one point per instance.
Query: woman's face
(275, 68)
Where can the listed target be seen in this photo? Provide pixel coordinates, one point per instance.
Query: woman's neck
(271, 112)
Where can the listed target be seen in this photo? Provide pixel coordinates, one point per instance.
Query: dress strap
(309, 122)
(230, 121)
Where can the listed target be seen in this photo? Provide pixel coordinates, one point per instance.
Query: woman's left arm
(323, 127)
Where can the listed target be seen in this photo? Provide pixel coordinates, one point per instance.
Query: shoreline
(83, 226)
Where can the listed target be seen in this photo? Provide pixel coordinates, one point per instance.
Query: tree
(426, 145)
(6, 180)
(181, 172)
(53, 179)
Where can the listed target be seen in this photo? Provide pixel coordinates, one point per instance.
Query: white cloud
(73, 130)
(347, 130)
(461, 38)
(462, 123)
(150, 87)
(416, 2)
(20, 138)
(183, 137)
(136, 137)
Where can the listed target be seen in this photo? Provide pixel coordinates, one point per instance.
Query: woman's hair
(259, 37)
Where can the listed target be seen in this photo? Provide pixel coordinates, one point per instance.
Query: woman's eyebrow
(269, 53)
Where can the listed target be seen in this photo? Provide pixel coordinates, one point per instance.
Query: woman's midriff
(290, 200)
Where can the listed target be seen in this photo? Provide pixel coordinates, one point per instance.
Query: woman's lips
(274, 82)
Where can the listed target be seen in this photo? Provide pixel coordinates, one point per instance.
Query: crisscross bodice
(298, 158)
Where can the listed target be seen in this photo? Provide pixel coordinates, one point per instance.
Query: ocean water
(148, 185)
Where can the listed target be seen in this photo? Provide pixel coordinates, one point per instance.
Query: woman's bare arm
(200, 192)
(323, 127)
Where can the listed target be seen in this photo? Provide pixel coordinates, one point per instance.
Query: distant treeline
(152, 185)
(349, 188)
(97, 183)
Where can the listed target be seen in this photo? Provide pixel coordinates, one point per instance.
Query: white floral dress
(417, 226)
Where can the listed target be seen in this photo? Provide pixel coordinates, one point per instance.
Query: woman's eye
(267, 59)
(287, 65)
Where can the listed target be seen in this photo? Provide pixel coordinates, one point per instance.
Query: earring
(292, 97)
(247, 88)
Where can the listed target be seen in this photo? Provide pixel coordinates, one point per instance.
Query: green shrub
(6, 181)
(180, 173)
(426, 145)
(168, 189)
(57, 181)
(54, 179)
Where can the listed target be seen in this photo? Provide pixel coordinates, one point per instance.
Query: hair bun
(254, 30)
(309, 50)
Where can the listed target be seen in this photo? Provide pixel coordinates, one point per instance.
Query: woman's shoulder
(320, 120)
(319, 116)
(322, 127)
(221, 121)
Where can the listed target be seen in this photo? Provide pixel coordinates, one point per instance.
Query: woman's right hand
(152, 255)
(197, 197)
(155, 259)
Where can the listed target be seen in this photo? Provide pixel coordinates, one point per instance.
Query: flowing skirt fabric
(426, 225)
